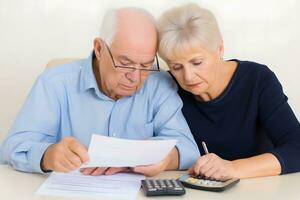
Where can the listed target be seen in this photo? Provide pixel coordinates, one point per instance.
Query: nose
(188, 75)
(134, 76)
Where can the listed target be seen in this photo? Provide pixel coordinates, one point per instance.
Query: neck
(223, 77)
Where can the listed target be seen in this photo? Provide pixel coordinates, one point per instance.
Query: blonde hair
(185, 27)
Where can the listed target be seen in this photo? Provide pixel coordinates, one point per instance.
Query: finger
(88, 170)
(79, 149)
(58, 166)
(73, 158)
(191, 170)
(99, 171)
(211, 173)
(63, 169)
(67, 163)
(114, 170)
(63, 166)
(207, 166)
(222, 175)
(200, 162)
(219, 176)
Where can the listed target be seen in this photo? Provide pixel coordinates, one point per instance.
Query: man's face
(116, 79)
(134, 45)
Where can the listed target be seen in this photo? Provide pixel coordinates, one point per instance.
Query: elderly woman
(237, 107)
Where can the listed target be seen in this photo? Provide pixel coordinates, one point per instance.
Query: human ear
(221, 50)
(98, 46)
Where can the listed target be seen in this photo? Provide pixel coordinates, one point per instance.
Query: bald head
(133, 25)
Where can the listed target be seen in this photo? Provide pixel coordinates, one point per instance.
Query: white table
(16, 185)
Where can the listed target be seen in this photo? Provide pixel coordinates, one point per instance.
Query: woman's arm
(262, 165)
(280, 123)
(214, 167)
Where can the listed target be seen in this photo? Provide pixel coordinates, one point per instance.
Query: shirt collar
(87, 77)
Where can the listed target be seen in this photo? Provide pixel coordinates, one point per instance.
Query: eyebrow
(131, 61)
(196, 59)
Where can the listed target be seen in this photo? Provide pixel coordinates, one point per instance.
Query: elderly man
(114, 92)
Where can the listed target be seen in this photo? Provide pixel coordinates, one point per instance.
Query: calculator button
(206, 182)
(192, 180)
(169, 184)
(219, 183)
(211, 183)
(162, 184)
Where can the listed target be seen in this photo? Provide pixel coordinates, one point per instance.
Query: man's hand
(169, 163)
(97, 171)
(65, 156)
(151, 170)
(213, 167)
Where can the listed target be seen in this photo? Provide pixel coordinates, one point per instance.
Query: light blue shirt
(66, 101)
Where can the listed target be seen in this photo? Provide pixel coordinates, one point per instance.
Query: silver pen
(205, 148)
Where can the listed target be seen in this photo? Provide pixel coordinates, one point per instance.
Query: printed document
(122, 186)
(115, 152)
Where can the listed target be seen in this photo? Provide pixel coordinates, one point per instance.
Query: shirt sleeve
(169, 122)
(280, 123)
(34, 129)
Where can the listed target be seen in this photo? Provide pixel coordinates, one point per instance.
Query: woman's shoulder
(253, 67)
(254, 72)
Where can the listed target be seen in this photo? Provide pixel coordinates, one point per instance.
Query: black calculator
(202, 183)
(158, 187)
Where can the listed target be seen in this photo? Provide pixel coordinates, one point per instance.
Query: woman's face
(196, 70)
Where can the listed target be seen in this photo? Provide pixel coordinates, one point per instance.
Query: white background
(32, 32)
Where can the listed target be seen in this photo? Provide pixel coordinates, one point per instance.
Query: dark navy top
(252, 116)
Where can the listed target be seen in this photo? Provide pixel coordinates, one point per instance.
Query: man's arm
(169, 123)
(34, 129)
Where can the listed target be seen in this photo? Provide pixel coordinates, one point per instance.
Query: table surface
(19, 185)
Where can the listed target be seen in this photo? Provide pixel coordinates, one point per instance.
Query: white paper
(115, 152)
(122, 186)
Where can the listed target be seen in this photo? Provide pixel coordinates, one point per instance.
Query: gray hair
(109, 25)
(185, 27)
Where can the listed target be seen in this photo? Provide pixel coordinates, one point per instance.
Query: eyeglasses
(128, 69)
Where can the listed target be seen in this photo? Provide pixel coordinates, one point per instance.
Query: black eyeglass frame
(133, 68)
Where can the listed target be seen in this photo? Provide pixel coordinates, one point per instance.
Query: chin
(126, 93)
(196, 93)
(192, 90)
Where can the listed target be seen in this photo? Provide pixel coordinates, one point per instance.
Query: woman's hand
(214, 167)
